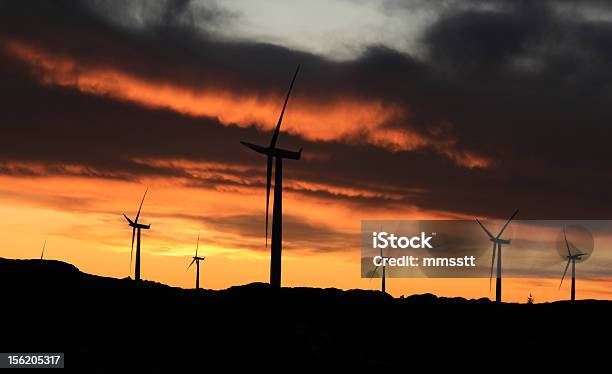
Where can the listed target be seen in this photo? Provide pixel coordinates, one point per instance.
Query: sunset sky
(405, 110)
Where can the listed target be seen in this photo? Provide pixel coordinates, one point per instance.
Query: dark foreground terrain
(112, 325)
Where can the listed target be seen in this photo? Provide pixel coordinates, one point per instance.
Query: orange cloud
(344, 119)
(235, 176)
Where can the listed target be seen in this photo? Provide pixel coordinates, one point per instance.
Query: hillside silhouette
(105, 324)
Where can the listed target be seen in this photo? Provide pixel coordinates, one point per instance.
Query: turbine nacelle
(500, 241)
(274, 151)
(136, 225)
(576, 256)
(140, 226)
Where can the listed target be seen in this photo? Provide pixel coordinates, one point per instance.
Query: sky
(405, 110)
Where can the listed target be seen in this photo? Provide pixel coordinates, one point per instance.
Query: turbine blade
(566, 243)
(507, 222)
(280, 119)
(564, 272)
(197, 244)
(372, 273)
(143, 197)
(128, 219)
(43, 249)
(190, 264)
(485, 229)
(492, 263)
(255, 147)
(132, 252)
(268, 181)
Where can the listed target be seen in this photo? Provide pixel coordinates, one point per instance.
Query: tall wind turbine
(571, 258)
(384, 276)
(273, 152)
(42, 253)
(497, 244)
(197, 259)
(136, 227)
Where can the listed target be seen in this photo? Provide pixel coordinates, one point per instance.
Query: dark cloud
(298, 234)
(483, 42)
(521, 83)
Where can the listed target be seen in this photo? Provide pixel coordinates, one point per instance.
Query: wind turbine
(197, 259)
(497, 244)
(571, 258)
(136, 227)
(383, 278)
(273, 152)
(42, 253)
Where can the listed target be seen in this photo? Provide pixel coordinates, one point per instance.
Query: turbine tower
(571, 258)
(278, 154)
(497, 246)
(136, 227)
(197, 259)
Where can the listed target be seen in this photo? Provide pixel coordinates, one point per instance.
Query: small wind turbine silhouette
(42, 253)
(197, 259)
(497, 243)
(571, 258)
(273, 152)
(136, 227)
(383, 278)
